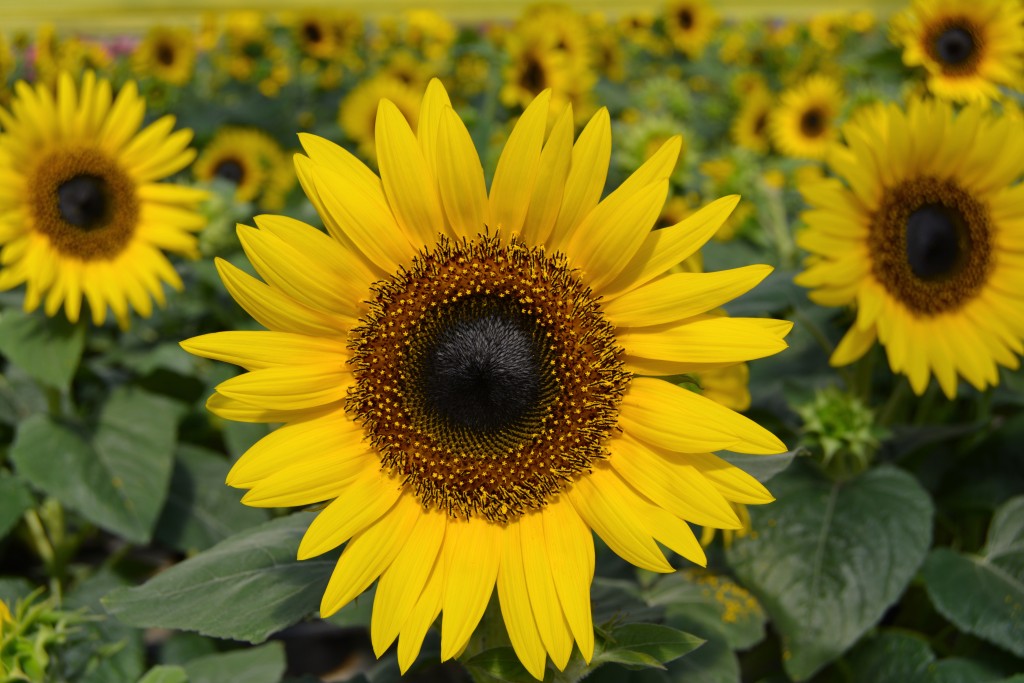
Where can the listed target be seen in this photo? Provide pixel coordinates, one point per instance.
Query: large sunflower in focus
(803, 123)
(968, 47)
(494, 400)
(926, 239)
(81, 210)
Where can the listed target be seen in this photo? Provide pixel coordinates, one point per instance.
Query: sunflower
(750, 127)
(167, 54)
(483, 410)
(925, 238)
(81, 211)
(803, 124)
(250, 160)
(968, 47)
(357, 114)
(690, 24)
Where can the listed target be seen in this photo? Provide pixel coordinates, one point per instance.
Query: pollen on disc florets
(487, 377)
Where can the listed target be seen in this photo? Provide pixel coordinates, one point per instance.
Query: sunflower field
(633, 345)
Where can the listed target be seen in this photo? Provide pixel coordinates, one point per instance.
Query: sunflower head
(690, 25)
(84, 212)
(803, 123)
(922, 238)
(468, 375)
(968, 47)
(167, 54)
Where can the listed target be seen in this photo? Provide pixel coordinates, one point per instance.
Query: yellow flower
(968, 47)
(690, 25)
(83, 213)
(803, 124)
(750, 127)
(469, 376)
(924, 238)
(167, 54)
(357, 114)
(250, 160)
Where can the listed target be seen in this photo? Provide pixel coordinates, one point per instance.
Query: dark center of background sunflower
(930, 245)
(84, 202)
(956, 45)
(937, 239)
(533, 75)
(231, 170)
(311, 31)
(812, 122)
(482, 374)
(686, 18)
(165, 54)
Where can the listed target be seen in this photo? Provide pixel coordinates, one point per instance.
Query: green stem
(40, 541)
(785, 247)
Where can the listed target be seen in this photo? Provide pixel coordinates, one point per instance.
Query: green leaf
(500, 663)
(712, 662)
(984, 595)
(107, 651)
(264, 664)
(165, 674)
(20, 396)
(905, 657)
(648, 645)
(46, 348)
(709, 605)
(245, 588)
(761, 467)
(14, 500)
(828, 558)
(201, 509)
(119, 477)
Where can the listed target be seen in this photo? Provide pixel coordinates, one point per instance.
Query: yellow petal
(674, 418)
(570, 549)
(460, 177)
(711, 340)
(668, 247)
(290, 387)
(408, 182)
(516, 173)
(515, 604)
(472, 551)
(423, 615)
(255, 350)
(588, 171)
(681, 295)
(369, 553)
(552, 626)
(365, 500)
(432, 108)
(732, 482)
(319, 476)
(230, 409)
(553, 169)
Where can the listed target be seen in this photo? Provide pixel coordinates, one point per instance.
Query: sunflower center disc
(165, 54)
(486, 376)
(84, 202)
(933, 241)
(954, 46)
(482, 374)
(533, 75)
(312, 32)
(930, 243)
(686, 19)
(812, 123)
(230, 170)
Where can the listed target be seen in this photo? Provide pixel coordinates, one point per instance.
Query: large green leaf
(165, 674)
(201, 509)
(264, 664)
(245, 588)
(828, 558)
(117, 477)
(645, 645)
(14, 500)
(904, 657)
(46, 348)
(984, 594)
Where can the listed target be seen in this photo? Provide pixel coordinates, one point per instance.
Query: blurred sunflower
(497, 327)
(690, 25)
(925, 238)
(803, 124)
(357, 114)
(251, 55)
(166, 54)
(82, 211)
(250, 160)
(750, 127)
(968, 47)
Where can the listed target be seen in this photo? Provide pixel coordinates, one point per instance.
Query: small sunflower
(690, 25)
(750, 127)
(469, 376)
(968, 47)
(925, 239)
(83, 213)
(357, 114)
(167, 54)
(803, 124)
(250, 160)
